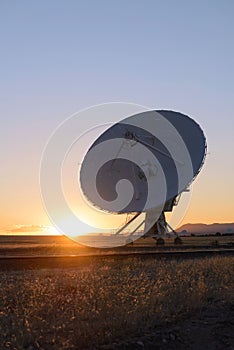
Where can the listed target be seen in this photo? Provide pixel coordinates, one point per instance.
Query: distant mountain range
(199, 229)
(208, 229)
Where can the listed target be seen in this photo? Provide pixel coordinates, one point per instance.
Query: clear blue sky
(60, 56)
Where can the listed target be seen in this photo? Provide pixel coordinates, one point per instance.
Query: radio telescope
(142, 164)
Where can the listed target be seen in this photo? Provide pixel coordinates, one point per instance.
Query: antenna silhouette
(151, 150)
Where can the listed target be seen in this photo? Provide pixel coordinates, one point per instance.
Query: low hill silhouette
(208, 228)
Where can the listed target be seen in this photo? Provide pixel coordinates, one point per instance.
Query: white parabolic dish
(143, 161)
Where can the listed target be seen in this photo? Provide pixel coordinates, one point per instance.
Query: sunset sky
(58, 57)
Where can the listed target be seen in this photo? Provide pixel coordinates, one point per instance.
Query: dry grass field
(111, 302)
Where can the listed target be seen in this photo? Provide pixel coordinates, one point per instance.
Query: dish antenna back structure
(141, 165)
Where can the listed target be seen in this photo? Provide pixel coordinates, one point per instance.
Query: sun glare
(53, 231)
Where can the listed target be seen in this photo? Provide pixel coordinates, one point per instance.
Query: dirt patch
(210, 328)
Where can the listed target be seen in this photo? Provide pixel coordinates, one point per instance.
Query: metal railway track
(31, 262)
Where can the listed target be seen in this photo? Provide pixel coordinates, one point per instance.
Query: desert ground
(116, 302)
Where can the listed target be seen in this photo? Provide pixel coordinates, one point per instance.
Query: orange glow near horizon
(204, 208)
(211, 202)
